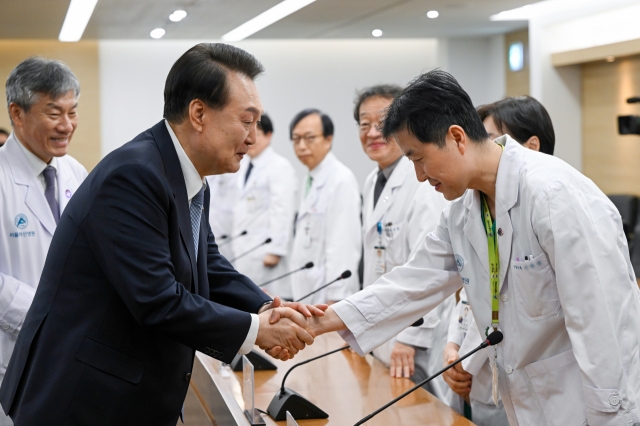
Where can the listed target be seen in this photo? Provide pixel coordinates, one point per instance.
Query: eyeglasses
(308, 139)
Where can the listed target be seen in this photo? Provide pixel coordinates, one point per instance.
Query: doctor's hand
(402, 361)
(286, 333)
(457, 378)
(306, 310)
(270, 260)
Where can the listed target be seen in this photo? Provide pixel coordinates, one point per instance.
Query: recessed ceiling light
(610, 58)
(433, 14)
(266, 18)
(76, 20)
(376, 33)
(157, 33)
(178, 15)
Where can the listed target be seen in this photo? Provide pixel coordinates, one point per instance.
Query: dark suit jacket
(122, 303)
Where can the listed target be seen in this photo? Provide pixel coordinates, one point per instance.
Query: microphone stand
(227, 239)
(267, 241)
(345, 274)
(483, 345)
(307, 266)
(291, 401)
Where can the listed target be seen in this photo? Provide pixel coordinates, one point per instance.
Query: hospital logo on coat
(21, 221)
(459, 262)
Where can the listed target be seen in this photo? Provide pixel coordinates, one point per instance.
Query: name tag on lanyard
(379, 252)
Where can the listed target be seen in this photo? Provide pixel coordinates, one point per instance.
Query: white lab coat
(224, 190)
(27, 226)
(570, 314)
(265, 209)
(327, 233)
(407, 210)
(484, 411)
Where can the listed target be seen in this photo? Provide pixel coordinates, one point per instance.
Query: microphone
(307, 266)
(288, 400)
(267, 241)
(229, 239)
(493, 339)
(633, 100)
(345, 274)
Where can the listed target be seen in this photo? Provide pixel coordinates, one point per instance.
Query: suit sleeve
(343, 239)
(399, 298)
(15, 301)
(583, 237)
(128, 230)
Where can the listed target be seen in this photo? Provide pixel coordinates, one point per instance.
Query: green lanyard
(494, 262)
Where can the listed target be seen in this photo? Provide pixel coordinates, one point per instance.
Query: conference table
(344, 385)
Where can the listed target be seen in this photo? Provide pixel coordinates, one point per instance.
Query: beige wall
(517, 82)
(82, 58)
(612, 161)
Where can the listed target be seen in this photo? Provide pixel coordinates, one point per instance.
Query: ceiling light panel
(276, 13)
(178, 16)
(157, 33)
(433, 14)
(77, 18)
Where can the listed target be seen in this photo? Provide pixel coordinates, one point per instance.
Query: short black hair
(265, 124)
(388, 91)
(201, 73)
(521, 118)
(327, 124)
(4, 132)
(429, 105)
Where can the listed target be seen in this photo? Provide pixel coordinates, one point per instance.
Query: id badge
(380, 264)
(464, 317)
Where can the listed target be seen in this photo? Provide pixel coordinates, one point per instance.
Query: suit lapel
(34, 197)
(178, 187)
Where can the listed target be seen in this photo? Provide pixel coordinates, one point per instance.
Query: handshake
(287, 327)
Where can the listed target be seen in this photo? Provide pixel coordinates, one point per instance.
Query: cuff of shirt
(351, 317)
(252, 335)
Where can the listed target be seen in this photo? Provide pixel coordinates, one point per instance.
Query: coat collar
(23, 175)
(506, 197)
(261, 161)
(397, 178)
(176, 180)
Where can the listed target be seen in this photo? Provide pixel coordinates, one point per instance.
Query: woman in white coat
(564, 294)
(397, 211)
(265, 209)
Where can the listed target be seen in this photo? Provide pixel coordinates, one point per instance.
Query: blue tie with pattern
(195, 211)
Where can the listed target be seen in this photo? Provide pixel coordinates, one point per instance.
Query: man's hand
(402, 361)
(271, 260)
(286, 332)
(457, 378)
(306, 310)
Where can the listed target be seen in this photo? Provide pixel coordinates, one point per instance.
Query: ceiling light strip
(77, 18)
(276, 13)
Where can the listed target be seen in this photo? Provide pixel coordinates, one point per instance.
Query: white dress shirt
(194, 183)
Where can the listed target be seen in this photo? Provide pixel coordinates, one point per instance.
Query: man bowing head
(134, 283)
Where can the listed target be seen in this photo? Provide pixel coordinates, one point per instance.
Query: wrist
(265, 306)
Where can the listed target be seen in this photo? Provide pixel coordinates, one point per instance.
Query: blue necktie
(195, 211)
(49, 174)
(246, 176)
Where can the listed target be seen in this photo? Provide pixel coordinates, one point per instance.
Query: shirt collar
(36, 165)
(390, 168)
(262, 157)
(192, 178)
(320, 168)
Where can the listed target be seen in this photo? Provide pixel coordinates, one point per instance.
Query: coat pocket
(110, 361)
(556, 382)
(535, 286)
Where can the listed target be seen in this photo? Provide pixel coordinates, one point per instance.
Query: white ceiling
(210, 19)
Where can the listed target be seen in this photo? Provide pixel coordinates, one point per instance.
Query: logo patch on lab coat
(21, 221)
(459, 262)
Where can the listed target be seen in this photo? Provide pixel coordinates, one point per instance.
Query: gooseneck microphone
(345, 274)
(307, 266)
(289, 400)
(267, 241)
(228, 239)
(493, 339)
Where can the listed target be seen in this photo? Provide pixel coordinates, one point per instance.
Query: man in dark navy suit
(133, 283)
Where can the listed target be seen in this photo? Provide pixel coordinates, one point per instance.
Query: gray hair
(389, 91)
(39, 76)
